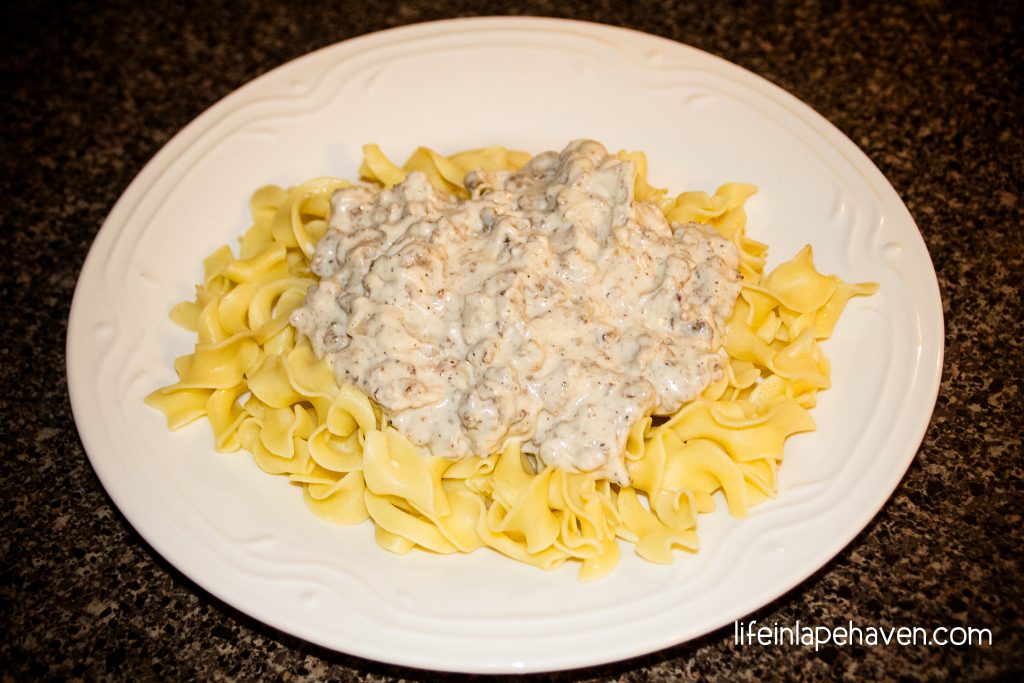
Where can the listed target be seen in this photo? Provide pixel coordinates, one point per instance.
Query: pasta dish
(540, 355)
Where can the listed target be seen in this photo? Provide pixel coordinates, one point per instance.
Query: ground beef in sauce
(548, 309)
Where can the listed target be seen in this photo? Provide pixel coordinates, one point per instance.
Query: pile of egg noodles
(263, 390)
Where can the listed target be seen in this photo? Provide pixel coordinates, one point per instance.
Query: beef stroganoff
(471, 351)
(548, 308)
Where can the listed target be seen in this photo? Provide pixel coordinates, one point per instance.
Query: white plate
(532, 84)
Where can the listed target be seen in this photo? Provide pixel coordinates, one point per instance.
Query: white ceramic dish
(532, 84)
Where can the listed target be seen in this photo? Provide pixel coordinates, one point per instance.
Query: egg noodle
(263, 390)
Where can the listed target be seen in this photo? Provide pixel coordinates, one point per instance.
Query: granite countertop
(931, 91)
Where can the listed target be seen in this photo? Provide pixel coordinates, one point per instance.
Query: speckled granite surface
(930, 90)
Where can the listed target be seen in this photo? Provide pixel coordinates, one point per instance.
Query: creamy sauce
(549, 309)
